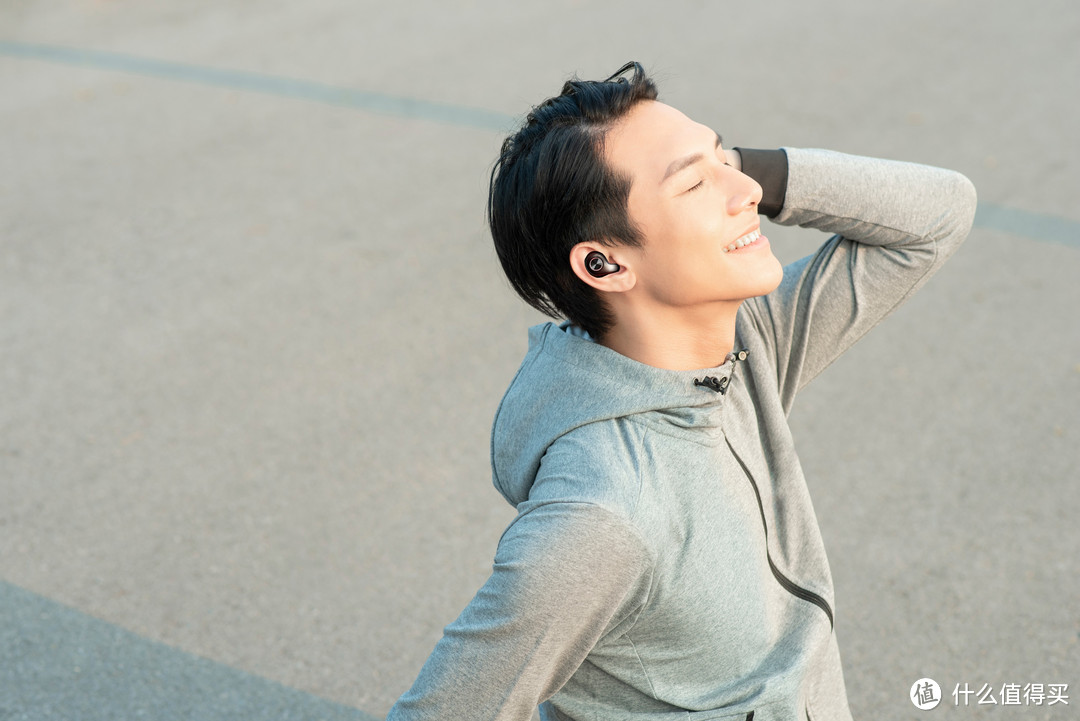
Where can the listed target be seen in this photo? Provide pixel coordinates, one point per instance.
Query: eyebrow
(686, 162)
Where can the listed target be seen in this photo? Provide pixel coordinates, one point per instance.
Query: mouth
(752, 239)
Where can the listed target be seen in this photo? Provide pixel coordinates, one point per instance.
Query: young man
(665, 562)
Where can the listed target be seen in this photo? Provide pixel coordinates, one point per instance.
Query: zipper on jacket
(789, 585)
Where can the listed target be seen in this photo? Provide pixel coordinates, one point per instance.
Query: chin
(769, 280)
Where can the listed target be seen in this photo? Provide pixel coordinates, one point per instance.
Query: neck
(674, 338)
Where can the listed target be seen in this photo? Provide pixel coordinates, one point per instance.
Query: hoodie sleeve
(565, 573)
(895, 224)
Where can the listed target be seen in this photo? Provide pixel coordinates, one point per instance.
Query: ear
(618, 282)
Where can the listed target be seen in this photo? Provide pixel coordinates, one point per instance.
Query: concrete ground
(252, 335)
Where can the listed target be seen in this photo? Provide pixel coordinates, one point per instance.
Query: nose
(746, 194)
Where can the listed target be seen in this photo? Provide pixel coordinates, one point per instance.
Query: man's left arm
(895, 224)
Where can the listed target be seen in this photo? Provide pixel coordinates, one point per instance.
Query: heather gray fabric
(665, 562)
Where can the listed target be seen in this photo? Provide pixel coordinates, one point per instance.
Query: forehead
(648, 138)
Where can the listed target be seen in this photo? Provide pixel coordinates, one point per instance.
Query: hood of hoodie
(567, 380)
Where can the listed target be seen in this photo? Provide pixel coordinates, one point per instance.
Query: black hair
(551, 189)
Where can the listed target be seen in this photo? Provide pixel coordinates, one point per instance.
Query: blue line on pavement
(381, 103)
(1049, 228)
(1024, 223)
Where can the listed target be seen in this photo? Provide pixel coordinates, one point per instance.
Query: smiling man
(665, 561)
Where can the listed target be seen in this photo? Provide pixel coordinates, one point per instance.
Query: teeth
(745, 240)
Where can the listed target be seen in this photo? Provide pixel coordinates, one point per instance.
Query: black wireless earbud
(599, 266)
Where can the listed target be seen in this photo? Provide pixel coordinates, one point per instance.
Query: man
(665, 562)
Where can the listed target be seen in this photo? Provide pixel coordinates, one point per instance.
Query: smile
(745, 240)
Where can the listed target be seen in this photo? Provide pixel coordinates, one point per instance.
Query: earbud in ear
(599, 266)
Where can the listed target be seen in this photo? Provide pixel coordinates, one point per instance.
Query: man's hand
(733, 158)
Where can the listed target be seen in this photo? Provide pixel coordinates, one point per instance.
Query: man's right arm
(564, 573)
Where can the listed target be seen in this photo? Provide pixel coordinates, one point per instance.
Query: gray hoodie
(665, 561)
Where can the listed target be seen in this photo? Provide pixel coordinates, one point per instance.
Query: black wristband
(770, 169)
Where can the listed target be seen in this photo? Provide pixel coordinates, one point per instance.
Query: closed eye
(701, 183)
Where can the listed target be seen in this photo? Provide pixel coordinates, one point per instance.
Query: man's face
(690, 206)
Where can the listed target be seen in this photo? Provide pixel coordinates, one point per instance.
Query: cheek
(689, 234)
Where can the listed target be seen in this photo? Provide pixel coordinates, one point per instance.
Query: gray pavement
(252, 334)
(58, 663)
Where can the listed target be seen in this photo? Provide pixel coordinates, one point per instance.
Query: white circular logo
(925, 694)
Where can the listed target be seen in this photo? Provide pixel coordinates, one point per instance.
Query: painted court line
(1049, 228)
(1038, 226)
(380, 103)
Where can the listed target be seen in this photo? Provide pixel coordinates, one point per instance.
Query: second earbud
(598, 265)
